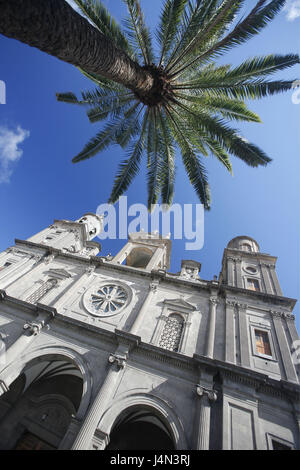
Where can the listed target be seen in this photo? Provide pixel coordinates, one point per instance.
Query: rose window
(106, 300)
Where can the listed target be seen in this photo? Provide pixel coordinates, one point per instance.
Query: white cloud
(292, 9)
(10, 152)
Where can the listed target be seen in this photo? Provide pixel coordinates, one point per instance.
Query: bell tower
(145, 251)
(245, 267)
(72, 237)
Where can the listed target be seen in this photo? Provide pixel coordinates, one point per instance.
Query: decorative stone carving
(214, 300)
(202, 391)
(153, 286)
(34, 328)
(118, 359)
(242, 306)
(48, 259)
(90, 269)
(231, 303)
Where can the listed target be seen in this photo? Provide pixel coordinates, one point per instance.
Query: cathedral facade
(115, 352)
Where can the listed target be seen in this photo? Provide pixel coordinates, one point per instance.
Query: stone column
(16, 270)
(230, 271)
(207, 396)
(84, 438)
(283, 346)
(230, 332)
(119, 258)
(30, 331)
(273, 274)
(65, 296)
(243, 330)
(238, 269)
(266, 277)
(156, 257)
(212, 327)
(141, 315)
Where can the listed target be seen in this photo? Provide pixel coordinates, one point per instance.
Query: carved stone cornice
(202, 391)
(267, 265)
(241, 306)
(231, 303)
(282, 314)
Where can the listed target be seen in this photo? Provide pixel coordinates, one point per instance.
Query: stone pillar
(212, 327)
(230, 271)
(243, 333)
(273, 275)
(30, 331)
(266, 277)
(16, 270)
(65, 296)
(207, 396)
(238, 269)
(156, 257)
(230, 340)
(284, 347)
(84, 438)
(119, 258)
(141, 315)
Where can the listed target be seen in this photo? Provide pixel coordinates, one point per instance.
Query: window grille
(45, 287)
(172, 333)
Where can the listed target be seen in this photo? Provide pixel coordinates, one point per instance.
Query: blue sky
(39, 137)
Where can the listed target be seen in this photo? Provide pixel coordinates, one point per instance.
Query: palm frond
(195, 170)
(156, 165)
(230, 108)
(168, 156)
(69, 97)
(212, 29)
(169, 22)
(129, 168)
(138, 32)
(257, 19)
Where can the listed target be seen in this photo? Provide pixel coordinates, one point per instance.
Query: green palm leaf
(193, 100)
(138, 32)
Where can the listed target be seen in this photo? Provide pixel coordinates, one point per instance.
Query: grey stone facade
(118, 353)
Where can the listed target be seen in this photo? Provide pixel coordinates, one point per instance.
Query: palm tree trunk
(54, 27)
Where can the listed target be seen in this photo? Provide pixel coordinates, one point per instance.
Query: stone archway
(129, 410)
(139, 428)
(37, 410)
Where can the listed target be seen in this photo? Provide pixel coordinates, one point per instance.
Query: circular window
(251, 269)
(106, 300)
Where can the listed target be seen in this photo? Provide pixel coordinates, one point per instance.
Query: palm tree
(155, 103)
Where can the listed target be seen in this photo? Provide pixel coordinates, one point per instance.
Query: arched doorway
(140, 429)
(37, 410)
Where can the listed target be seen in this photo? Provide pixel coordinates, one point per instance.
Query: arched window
(172, 332)
(44, 288)
(246, 247)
